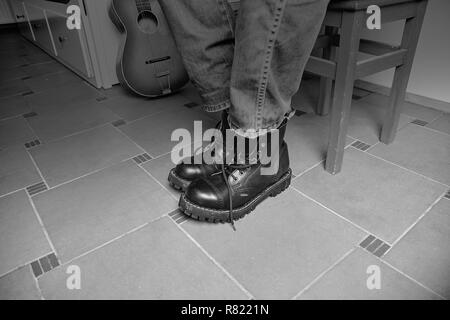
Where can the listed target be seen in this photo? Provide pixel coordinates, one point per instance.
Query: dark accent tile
(419, 122)
(36, 268)
(53, 260)
(374, 245)
(447, 195)
(174, 212)
(118, 123)
(182, 219)
(142, 158)
(30, 115)
(45, 264)
(31, 144)
(361, 145)
(191, 104)
(367, 241)
(382, 250)
(36, 188)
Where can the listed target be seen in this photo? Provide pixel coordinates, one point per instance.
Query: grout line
(12, 117)
(342, 217)
(37, 168)
(128, 138)
(417, 221)
(74, 134)
(323, 273)
(12, 192)
(229, 275)
(42, 225)
(36, 282)
(309, 169)
(409, 170)
(409, 277)
(156, 180)
(434, 130)
(24, 265)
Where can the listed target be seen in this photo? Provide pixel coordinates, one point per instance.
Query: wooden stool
(343, 23)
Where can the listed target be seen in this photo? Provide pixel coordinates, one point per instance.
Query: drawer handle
(37, 25)
(62, 39)
(20, 17)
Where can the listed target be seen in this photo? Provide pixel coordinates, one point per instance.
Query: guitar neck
(143, 5)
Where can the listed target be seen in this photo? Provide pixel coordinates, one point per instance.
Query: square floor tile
(155, 262)
(421, 150)
(153, 133)
(22, 238)
(441, 124)
(13, 106)
(17, 170)
(378, 196)
(280, 247)
(77, 155)
(90, 211)
(411, 109)
(15, 131)
(47, 101)
(348, 281)
(423, 252)
(51, 81)
(70, 119)
(307, 140)
(133, 107)
(19, 285)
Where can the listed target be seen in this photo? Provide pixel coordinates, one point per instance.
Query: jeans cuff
(217, 107)
(254, 133)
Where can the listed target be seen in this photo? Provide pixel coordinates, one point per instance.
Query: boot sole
(177, 182)
(219, 216)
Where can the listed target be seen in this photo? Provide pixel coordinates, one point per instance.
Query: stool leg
(410, 38)
(352, 23)
(326, 84)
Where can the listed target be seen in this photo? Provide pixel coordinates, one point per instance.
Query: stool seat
(355, 5)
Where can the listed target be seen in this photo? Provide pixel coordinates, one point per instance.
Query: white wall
(430, 75)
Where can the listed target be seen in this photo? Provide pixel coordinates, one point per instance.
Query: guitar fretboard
(143, 5)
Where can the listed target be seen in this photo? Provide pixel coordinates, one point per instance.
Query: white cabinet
(21, 15)
(70, 45)
(39, 25)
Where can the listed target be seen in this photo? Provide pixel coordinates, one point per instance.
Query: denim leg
(203, 32)
(273, 41)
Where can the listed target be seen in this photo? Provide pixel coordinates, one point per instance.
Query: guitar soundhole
(147, 22)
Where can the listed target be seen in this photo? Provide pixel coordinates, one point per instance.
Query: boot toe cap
(203, 194)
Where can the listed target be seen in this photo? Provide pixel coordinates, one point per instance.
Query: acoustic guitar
(148, 63)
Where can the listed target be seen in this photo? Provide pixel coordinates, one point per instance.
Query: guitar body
(148, 63)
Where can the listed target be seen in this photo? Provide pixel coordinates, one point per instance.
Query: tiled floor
(83, 182)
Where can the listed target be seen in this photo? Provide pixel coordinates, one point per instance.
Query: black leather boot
(236, 190)
(184, 173)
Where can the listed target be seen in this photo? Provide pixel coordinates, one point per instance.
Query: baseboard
(410, 97)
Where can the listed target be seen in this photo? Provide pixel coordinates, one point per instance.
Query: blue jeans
(252, 64)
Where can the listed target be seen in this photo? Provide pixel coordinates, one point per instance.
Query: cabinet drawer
(40, 28)
(21, 16)
(70, 45)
